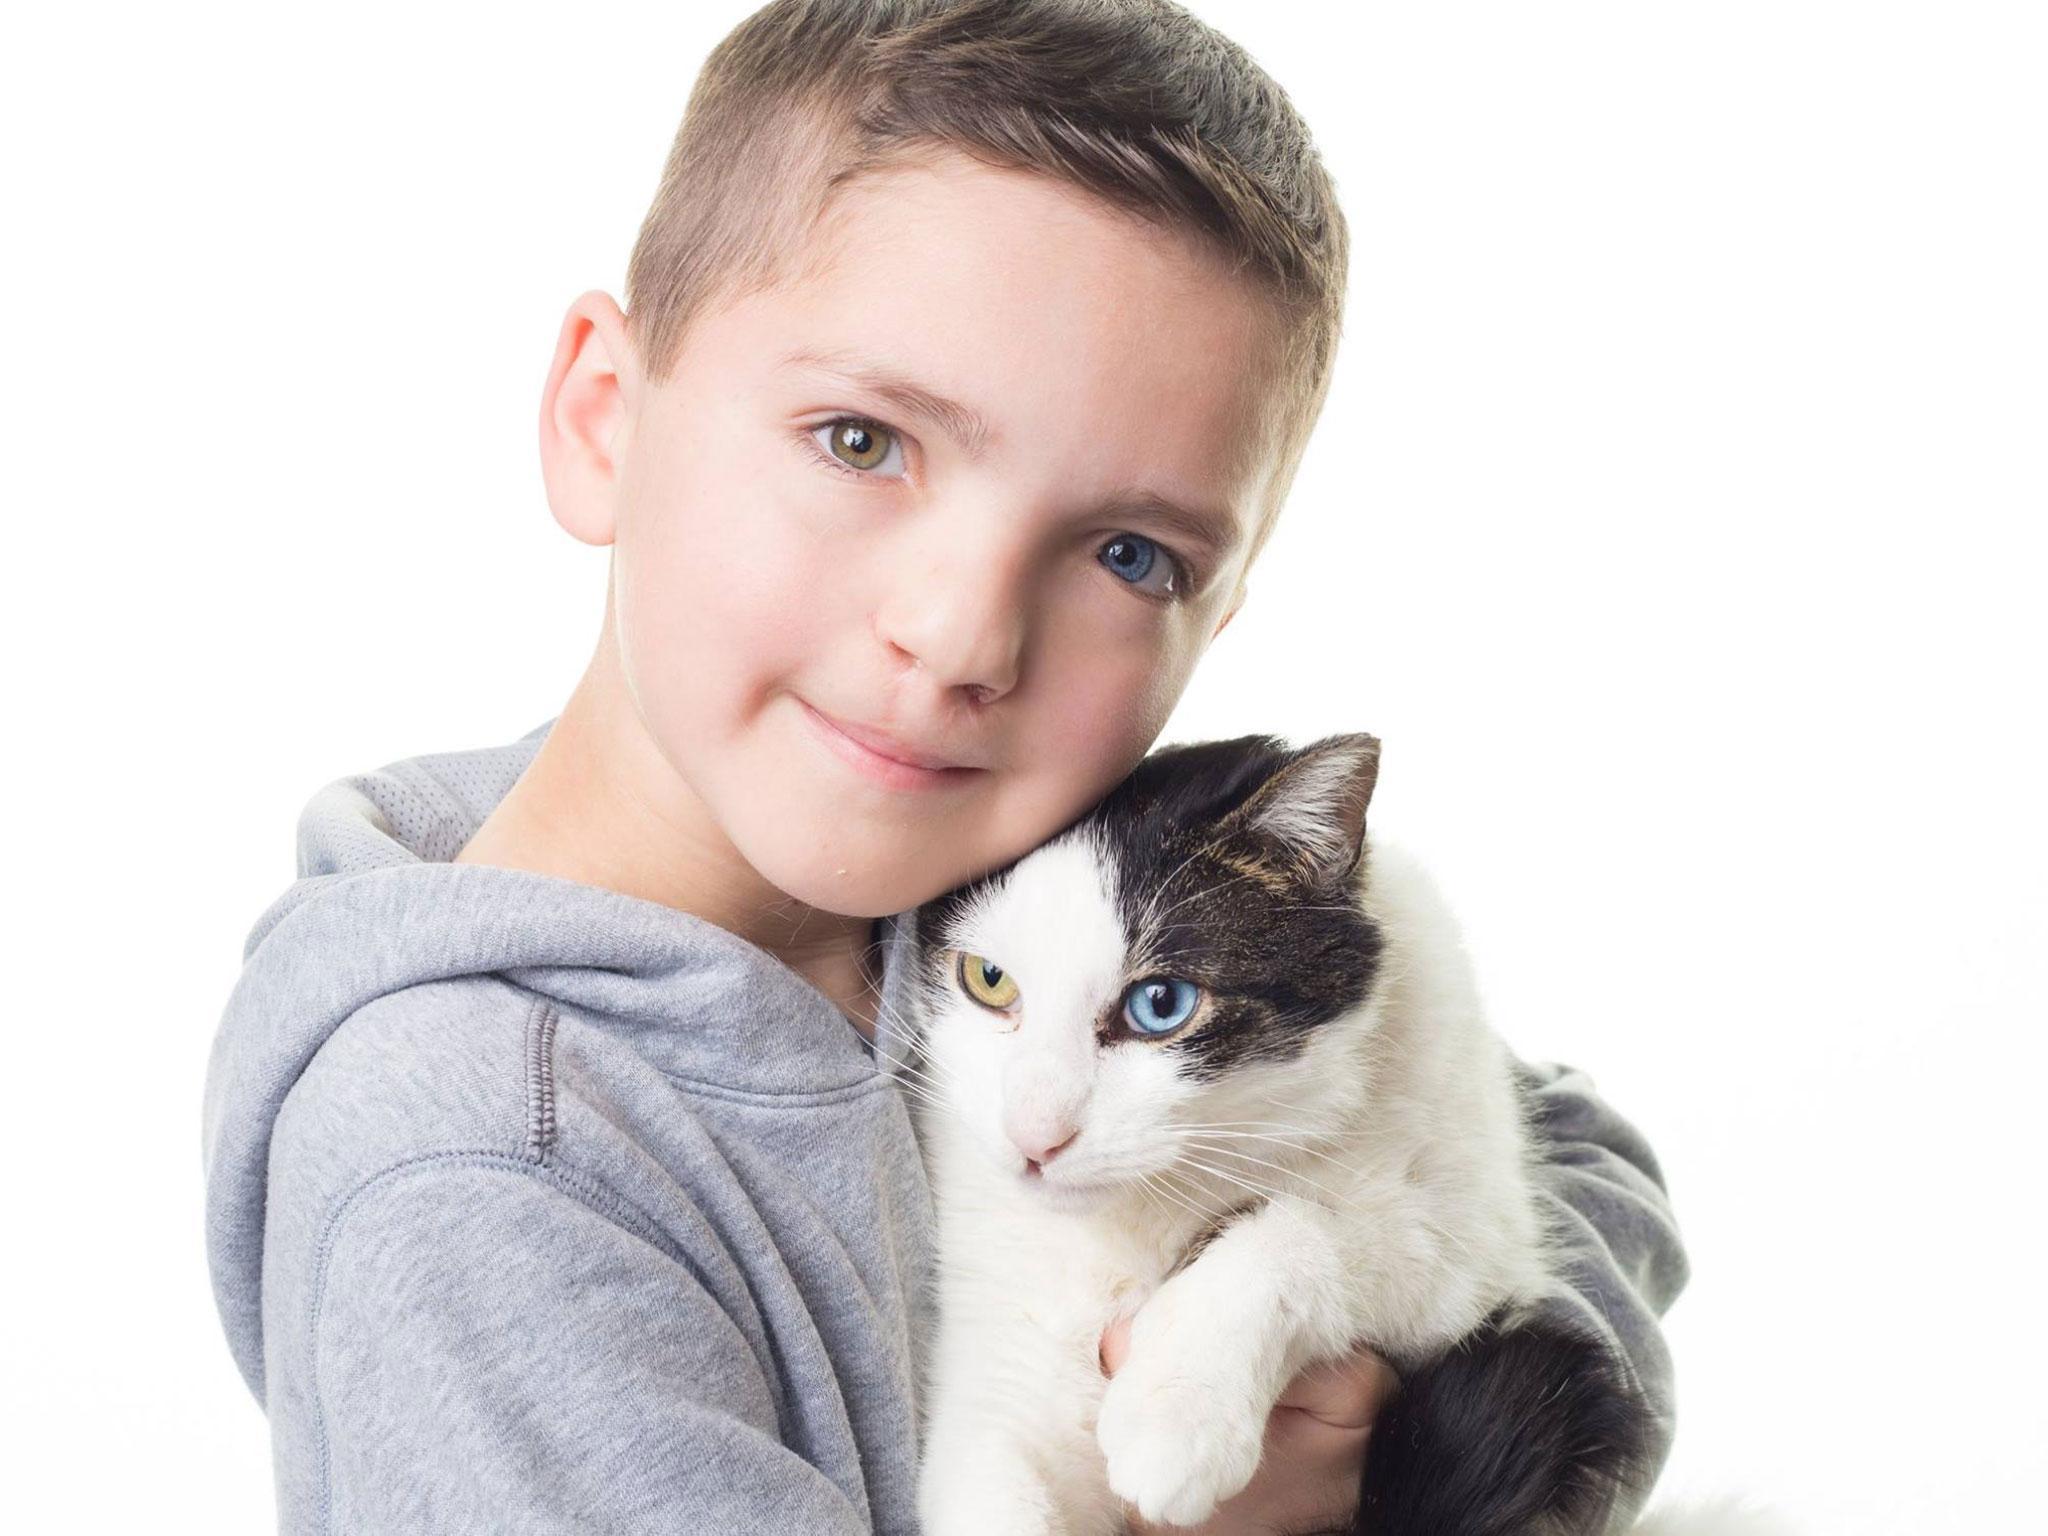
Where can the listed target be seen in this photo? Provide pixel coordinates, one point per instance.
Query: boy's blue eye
(1134, 557)
(1159, 1005)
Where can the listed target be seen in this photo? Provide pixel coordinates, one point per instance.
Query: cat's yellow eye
(986, 982)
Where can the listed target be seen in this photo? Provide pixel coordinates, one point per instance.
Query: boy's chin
(855, 885)
(874, 883)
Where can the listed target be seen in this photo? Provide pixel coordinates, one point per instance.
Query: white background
(1675, 521)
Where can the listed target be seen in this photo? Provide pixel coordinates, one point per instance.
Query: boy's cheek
(1091, 727)
(723, 582)
(1109, 695)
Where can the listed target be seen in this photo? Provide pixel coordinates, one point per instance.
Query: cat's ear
(1312, 810)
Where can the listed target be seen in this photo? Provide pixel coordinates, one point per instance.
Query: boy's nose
(961, 634)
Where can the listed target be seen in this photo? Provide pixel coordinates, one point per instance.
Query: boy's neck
(599, 804)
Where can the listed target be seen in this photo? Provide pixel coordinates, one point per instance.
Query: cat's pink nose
(1040, 1149)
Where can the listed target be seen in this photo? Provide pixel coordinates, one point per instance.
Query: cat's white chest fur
(1013, 1381)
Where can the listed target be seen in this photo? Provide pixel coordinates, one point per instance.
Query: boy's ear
(586, 414)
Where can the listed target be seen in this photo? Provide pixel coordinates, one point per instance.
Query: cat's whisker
(1287, 1143)
(1340, 1200)
(1233, 1125)
(1185, 1198)
(905, 1028)
(1147, 1188)
(919, 1069)
(933, 1096)
(1289, 1140)
(1262, 1190)
(1289, 1127)
(922, 1095)
(1291, 1146)
(1282, 1133)
(922, 1078)
(1146, 1195)
(922, 1069)
(916, 1080)
(1281, 1168)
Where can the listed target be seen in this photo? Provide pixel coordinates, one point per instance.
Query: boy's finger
(1115, 1344)
(1347, 1393)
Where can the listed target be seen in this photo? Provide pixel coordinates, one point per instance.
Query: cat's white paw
(1177, 1445)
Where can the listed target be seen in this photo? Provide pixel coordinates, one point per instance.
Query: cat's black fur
(1520, 1430)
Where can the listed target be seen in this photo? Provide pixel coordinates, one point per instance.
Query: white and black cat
(1213, 1051)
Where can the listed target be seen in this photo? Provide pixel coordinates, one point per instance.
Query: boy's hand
(1314, 1462)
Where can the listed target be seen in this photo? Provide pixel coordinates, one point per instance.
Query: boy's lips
(878, 750)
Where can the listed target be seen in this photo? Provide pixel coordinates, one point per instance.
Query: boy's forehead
(945, 211)
(982, 301)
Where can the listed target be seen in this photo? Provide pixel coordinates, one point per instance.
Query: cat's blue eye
(1133, 557)
(1160, 1004)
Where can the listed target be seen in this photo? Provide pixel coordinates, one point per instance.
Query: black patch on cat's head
(1235, 865)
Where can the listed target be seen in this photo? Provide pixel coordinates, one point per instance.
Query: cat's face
(1167, 981)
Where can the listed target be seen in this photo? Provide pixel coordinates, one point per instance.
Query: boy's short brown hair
(1135, 101)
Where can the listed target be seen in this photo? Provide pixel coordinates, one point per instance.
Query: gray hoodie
(536, 1207)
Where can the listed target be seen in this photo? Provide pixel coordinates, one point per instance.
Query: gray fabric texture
(531, 1206)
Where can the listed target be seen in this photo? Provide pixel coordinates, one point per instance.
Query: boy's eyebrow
(1217, 530)
(963, 423)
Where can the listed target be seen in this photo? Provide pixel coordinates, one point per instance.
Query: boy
(552, 1181)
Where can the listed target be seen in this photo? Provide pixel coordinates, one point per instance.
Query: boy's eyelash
(1184, 573)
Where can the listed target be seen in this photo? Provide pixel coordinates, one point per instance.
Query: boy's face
(1005, 605)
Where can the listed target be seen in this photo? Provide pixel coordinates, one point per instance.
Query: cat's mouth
(1062, 1187)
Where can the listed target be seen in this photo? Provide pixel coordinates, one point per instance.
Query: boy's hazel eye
(858, 444)
(985, 982)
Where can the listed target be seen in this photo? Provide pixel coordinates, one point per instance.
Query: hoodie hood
(378, 906)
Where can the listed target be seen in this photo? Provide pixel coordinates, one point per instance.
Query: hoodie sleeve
(1622, 1258)
(496, 1348)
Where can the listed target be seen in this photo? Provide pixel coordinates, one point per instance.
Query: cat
(1214, 1057)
